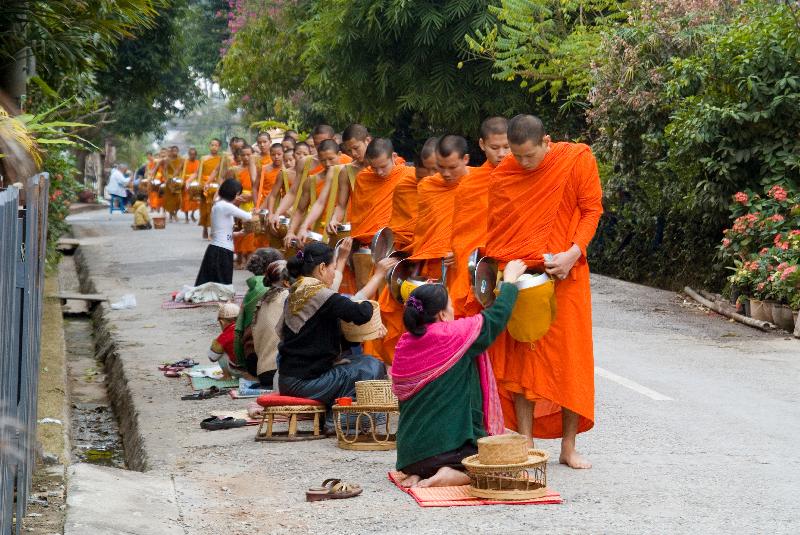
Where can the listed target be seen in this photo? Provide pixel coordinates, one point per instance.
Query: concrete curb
(110, 501)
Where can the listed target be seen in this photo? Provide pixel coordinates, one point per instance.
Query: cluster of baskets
(506, 469)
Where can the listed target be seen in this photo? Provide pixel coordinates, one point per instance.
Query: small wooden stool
(354, 438)
(291, 408)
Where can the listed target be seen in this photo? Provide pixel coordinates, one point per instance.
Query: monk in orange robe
(150, 168)
(244, 242)
(208, 164)
(471, 213)
(270, 174)
(547, 199)
(264, 143)
(371, 201)
(190, 168)
(155, 198)
(431, 243)
(172, 167)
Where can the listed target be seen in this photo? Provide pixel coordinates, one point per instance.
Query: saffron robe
(470, 218)
(533, 212)
(267, 181)
(207, 166)
(172, 200)
(154, 197)
(189, 168)
(371, 200)
(245, 243)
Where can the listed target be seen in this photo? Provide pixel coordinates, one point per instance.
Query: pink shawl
(421, 360)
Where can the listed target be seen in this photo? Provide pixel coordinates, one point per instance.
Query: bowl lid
(382, 244)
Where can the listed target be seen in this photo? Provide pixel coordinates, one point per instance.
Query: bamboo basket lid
(369, 331)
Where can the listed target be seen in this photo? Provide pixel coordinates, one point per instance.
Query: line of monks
(531, 197)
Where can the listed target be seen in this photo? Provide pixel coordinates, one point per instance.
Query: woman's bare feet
(573, 459)
(445, 477)
(408, 481)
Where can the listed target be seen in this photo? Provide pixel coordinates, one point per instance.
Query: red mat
(458, 496)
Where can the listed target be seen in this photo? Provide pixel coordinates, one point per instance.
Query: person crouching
(444, 383)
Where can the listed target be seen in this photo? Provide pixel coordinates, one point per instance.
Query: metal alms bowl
(401, 272)
(484, 281)
(382, 244)
(343, 227)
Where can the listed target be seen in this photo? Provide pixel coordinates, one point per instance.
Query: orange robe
(470, 217)
(402, 223)
(172, 201)
(404, 211)
(546, 210)
(267, 181)
(436, 203)
(245, 243)
(206, 168)
(190, 168)
(371, 201)
(154, 197)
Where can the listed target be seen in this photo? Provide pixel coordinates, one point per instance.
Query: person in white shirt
(117, 182)
(217, 263)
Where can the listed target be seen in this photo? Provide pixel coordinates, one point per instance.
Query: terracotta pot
(782, 317)
(760, 311)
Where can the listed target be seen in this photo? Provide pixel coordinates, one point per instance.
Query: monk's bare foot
(573, 459)
(445, 477)
(410, 481)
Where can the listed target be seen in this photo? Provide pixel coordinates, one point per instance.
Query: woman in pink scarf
(442, 376)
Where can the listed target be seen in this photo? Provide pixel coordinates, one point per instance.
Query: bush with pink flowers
(763, 244)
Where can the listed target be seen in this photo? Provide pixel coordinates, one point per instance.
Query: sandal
(333, 489)
(212, 392)
(215, 423)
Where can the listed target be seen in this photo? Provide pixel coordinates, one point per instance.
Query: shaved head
(524, 128)
(379, 146)
(494, 126)
(428, 149)
(451, 144)
(323, 130)
(328, 145)
(355, 131)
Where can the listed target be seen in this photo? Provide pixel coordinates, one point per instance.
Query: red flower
(741, 197)
(726, 242)
(778, 193)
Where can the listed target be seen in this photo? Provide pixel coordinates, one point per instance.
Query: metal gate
(23, 243)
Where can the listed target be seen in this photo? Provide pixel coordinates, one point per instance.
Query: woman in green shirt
(443, 379)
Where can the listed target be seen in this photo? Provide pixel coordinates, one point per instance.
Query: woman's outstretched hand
(513, 271)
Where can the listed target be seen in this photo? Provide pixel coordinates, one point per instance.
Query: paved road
(696, 431)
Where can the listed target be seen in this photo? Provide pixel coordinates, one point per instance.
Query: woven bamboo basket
(159, 222)
(503, 449)
(362, 266)
(369, 331)
(377, 392)
(503, 479)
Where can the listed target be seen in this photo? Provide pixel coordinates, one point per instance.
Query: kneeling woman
(444, 381)
(309, 362)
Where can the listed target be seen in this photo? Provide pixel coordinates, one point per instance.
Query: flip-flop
(215, 423)
(212, 392)
(172, 373)
(333, 489)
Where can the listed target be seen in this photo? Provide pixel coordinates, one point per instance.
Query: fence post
(23, 245)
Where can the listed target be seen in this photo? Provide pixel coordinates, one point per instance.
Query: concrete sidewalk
(718, 456)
